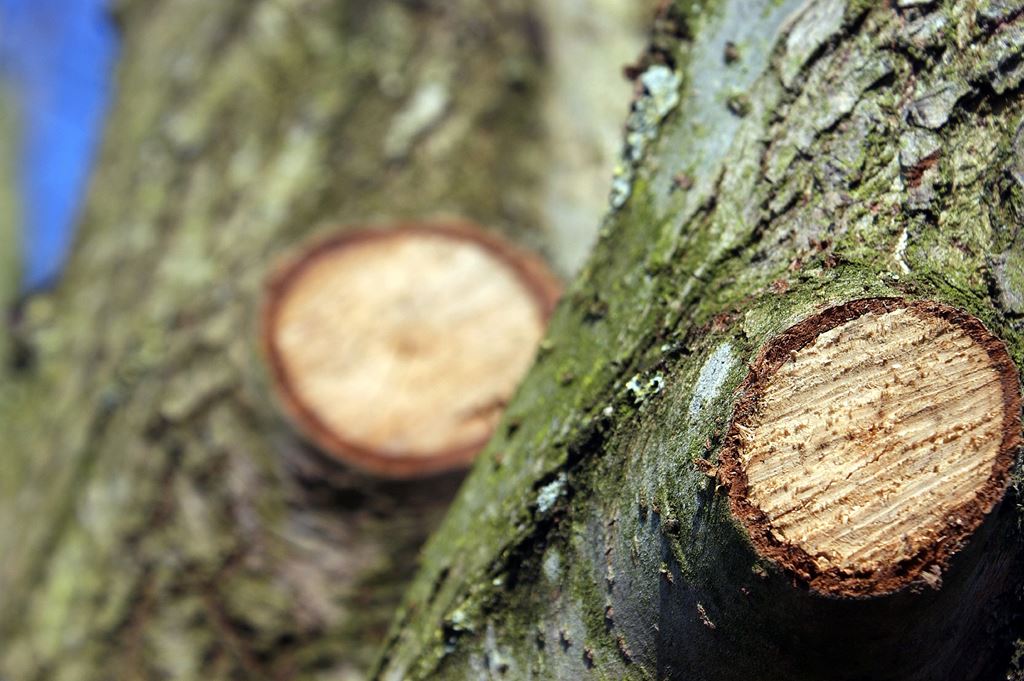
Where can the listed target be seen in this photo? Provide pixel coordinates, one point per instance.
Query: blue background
(57, 55)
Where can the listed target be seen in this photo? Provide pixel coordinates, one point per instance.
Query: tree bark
(8, 207)
(158, 518)
(781, 159)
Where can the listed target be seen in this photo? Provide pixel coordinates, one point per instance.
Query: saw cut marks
(867, 450)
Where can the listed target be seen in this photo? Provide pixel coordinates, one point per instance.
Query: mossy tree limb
(781, 158)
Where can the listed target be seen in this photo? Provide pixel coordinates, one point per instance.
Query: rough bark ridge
(8, 208)
(779, 158)
(158, 520)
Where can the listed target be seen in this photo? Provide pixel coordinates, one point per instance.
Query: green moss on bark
(847, 178)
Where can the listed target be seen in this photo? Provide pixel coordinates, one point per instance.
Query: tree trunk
(8, 208)
(791, 170)
(158, 518)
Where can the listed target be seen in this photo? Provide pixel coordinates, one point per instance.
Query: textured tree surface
(781, 158)
(8, 207)
(157, 518)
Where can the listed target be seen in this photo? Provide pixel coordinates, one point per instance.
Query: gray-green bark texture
(158, 520)
(8, 207)
(780, 158)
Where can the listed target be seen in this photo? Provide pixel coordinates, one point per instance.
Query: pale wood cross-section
(870, 446)
(401, 347)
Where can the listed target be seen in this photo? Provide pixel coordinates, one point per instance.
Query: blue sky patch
(58, 56)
